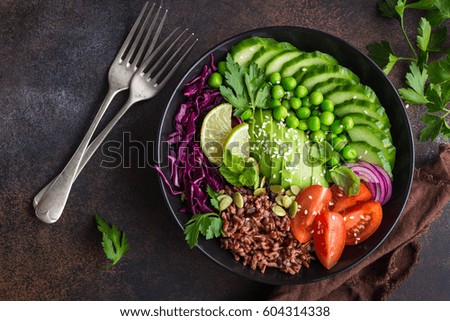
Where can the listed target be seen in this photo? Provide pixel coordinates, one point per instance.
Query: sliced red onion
(376, 179)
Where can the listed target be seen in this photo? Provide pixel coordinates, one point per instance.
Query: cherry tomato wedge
(329, 237)
(343, 202)
(311, 201)
(361, 221)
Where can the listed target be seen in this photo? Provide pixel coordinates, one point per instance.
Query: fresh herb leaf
(422, 4)
(433, 127)
(387, 9)
(208, 224)
(382, 54)
(346, 179)
(441, 13)
(440, 70)
(230, 177)
(437, 39)
(245, 89)
(213, 197)
(235, 164)
(424, 34)
(415, 79)
(114, 241)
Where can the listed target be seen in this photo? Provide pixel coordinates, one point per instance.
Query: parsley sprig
(114, 241)
(245, 88)
(427, 83)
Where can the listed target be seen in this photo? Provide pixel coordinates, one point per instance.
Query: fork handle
(52, 202)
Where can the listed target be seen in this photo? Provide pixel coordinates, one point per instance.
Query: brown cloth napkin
(383, 271)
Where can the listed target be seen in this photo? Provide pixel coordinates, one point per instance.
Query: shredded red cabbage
(190, 171)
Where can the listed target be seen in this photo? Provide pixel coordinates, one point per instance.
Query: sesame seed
(304, 69)
(354, 234)
(310, 197)
(333, 217)
(352, 217)
(306, 212)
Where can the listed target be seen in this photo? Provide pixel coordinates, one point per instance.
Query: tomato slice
(343, 202)
(361, 221)
(311, 201)
(329, 237)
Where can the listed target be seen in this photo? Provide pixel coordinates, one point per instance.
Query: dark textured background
(54, 57)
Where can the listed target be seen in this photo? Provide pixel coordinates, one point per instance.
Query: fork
(147, 82)
(128, 59)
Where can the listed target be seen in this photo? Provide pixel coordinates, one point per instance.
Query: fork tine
(175, 67)
(131, 33)
(167, 64)
(155, 64)
(156, 36)
(130, 55)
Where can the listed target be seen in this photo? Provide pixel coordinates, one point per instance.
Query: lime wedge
(238, 141)
(215, 129)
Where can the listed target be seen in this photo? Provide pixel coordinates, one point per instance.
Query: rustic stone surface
(54, 62)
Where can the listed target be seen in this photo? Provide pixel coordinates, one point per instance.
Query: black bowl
(371, 75)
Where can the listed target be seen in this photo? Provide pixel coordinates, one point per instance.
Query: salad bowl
(370, 75)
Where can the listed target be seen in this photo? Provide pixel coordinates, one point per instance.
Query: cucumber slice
(306, 60)
(327, 86)
(243, 52)
(374, 138)
(266, 53)
(276, 63)
(324, 73)
(364, 107)
(352, 91)
(372, 155)
(362, 119)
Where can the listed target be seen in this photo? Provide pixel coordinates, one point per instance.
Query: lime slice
(215, 129)
(238, 141)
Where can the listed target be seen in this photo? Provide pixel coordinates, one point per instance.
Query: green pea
(275, 103)
(277, 92)
(349, 153)
(247, 114)
(327, 105)
(335, 159)
(222, 67)
(295, 102)
(348, 122)
(292, 122)
(215, 80)
(327, 118)
(300, 91)
(324, 128)
(280, 113)
(306, 102)
(303, 112)
(286, 104)
(316, 98)
(336, 127)
(318, 136)
(303, 124)
(331, 137)
(314, 123)
(275, 78)
(289, 83)
(339, 143)
(315, 112)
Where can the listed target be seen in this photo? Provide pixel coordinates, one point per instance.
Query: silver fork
(133, 51)
(146, 83)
